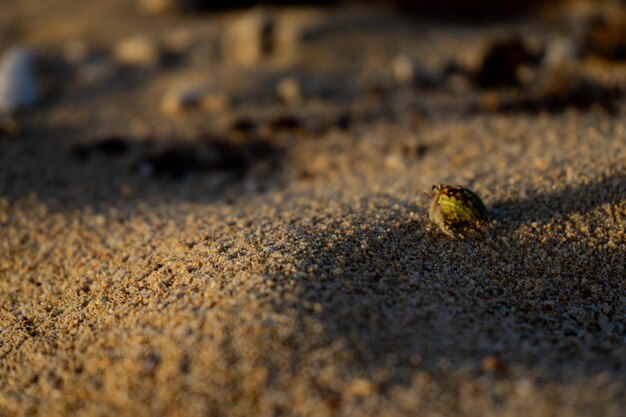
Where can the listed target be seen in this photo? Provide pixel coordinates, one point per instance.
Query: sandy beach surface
(261, 246)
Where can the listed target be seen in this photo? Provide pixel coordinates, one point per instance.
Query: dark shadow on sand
(407, 299)
(109, 171)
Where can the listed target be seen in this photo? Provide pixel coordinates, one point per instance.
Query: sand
(271, 259)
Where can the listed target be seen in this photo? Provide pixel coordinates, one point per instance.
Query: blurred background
(174, 89)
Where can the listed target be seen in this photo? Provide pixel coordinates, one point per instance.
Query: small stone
(138, 51)
(177, 102)
(403, 69)
(288, 89)
(395, 162)
(181, 100)
(410, 72)
(362, 388)
(492, 364)
(250, 39)
(18, 86)
(559, 51)
(502, 60)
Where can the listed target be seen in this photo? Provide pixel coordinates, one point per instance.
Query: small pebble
(138, 51)
(492, 364)
(288, 89)
(502, 59)
(559, 51)
(18, 86)
(403, 69)
(410, 72)
(363, 388)
(184, 99)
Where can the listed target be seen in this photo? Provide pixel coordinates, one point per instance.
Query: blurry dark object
(110, 146)
(243, 125)
(472, 8)
(284, 123)
(216, 154)
(606, 40)
(452, 8)
(502, 62)
(558, 92)
(9, 127)
(575, 92)
(343, 121)
(175, 163)
(166, 6)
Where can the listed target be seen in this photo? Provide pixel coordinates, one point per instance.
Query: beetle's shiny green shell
(456, 210)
